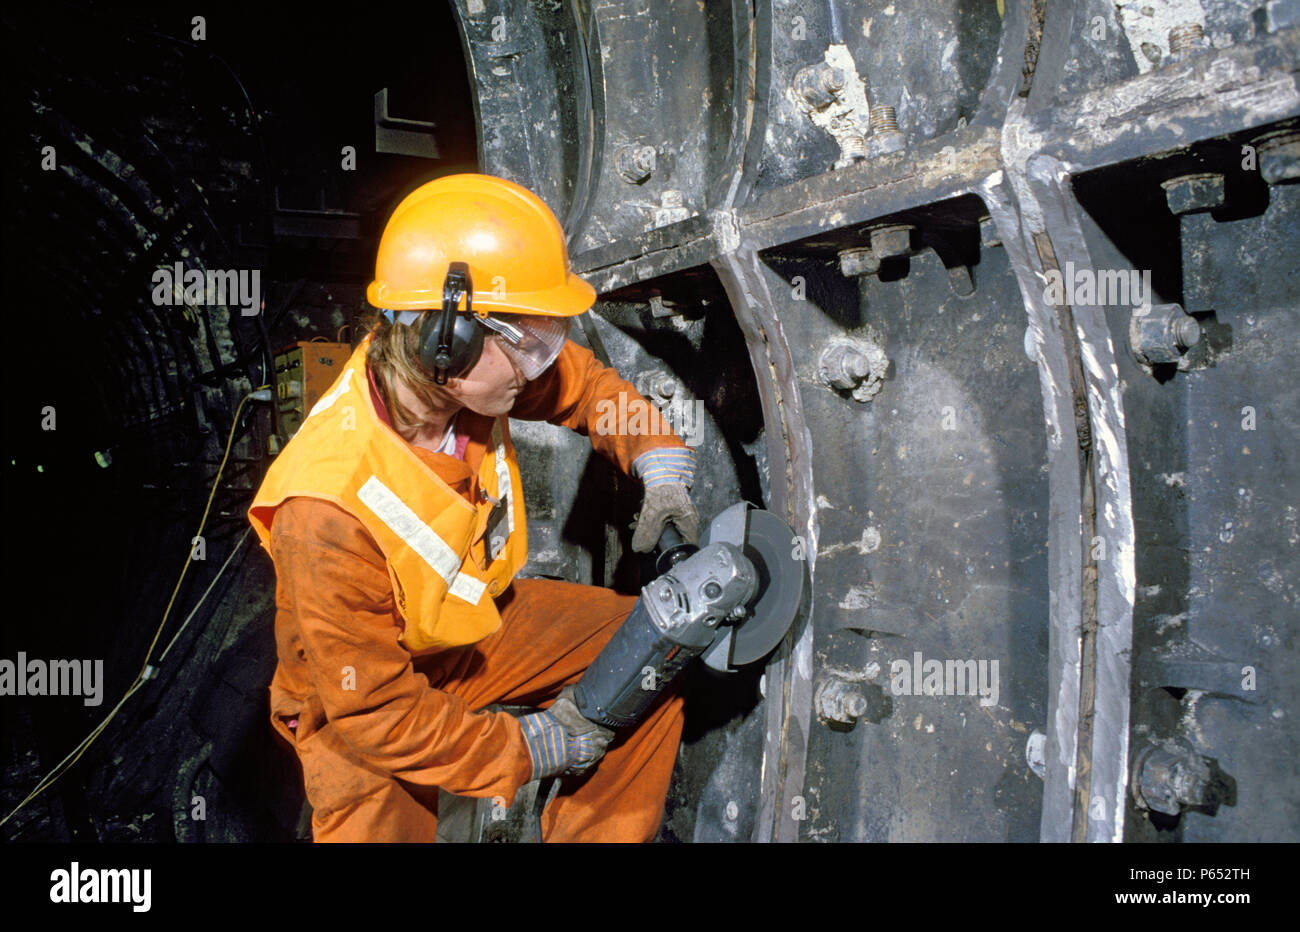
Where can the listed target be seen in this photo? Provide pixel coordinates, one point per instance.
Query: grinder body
(678, 616)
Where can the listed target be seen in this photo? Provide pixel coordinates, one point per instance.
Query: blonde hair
(394, 356)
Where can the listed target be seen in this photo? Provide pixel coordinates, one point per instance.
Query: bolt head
(1194, 194)
(1162, 334)
(892, 241)
(635, 164)
(1279, 158)
(855, 263)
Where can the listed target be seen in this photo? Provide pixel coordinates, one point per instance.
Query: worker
(396, 523)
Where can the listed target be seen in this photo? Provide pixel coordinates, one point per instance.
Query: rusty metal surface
(1049, 94)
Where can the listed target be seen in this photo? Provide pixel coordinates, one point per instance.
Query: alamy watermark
(1098, 287)
(241, 288)
(633, 416)
(53, 678)
(105, 885)
(921, 677)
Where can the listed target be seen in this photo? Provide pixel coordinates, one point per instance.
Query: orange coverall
(374, 756)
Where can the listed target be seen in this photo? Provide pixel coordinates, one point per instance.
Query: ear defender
(451, 342)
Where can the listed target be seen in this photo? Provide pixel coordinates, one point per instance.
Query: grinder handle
(671, 537)
(673, 548)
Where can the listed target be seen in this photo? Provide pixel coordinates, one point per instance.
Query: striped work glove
(667, 474)
(560, 740)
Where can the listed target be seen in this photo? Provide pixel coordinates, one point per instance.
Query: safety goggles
(531, 341)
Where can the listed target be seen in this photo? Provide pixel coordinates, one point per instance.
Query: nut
(635, 164)
(1162, 334)
(854, 263)
(819, 85)
(891, 242)
(1169, 778)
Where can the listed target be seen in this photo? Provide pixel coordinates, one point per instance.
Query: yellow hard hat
(509, 238)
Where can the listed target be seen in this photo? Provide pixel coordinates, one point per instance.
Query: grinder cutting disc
(770, 544)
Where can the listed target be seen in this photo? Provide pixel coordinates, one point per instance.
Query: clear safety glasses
(530, 341)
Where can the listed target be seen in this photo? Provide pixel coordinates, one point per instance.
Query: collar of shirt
(459, 464)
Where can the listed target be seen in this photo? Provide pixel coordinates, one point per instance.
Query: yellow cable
(59, 769)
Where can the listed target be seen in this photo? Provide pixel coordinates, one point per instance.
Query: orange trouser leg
(551, 631)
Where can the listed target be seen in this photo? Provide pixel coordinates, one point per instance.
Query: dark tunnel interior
(224, 152)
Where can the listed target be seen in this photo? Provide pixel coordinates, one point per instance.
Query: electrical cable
(148, 670)
(194, 611)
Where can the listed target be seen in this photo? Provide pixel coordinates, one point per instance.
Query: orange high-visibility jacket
(433, 540)
(347, 456)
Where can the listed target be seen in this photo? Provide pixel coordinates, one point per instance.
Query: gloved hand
(662, 503)
(560, 740)
(587, 740)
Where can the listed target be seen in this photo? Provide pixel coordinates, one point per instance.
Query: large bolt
(1170, 778)
(1194, 194)
(1163, 333)
(1279, 157)
(885, 135)
(840, 701)
(635, 163)
(854, 263)
(819, 85)
(843, 366)
(891, 242)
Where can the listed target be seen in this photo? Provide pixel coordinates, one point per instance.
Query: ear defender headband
(451, 342)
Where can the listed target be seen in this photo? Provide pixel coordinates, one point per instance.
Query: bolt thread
(1187, 331)
(1185, 37)
(853, 147)
(884, 119)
